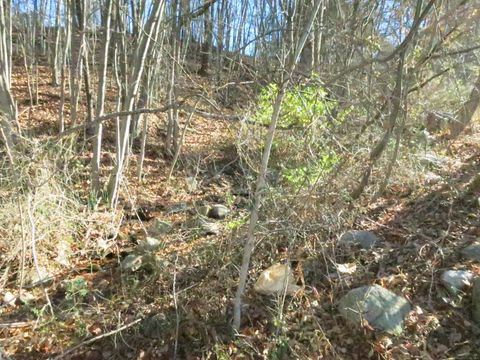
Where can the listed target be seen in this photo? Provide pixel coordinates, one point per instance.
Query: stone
(159, 227)
(431, 178)
(150, 244)
(9, 299)
(208, 227)
(218, 211)
(456, 280)
(472, 252)
(26, 297)
(274, 279)
(132, 262)
(179, 208)
(381, 308)
(192, 184)
(64, 252)
(203, 210)
(431, 159)
(35, 278)
(476, 300)
(365, 239)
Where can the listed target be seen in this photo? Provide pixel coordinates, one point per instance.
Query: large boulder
(381, 308)
(365, 239)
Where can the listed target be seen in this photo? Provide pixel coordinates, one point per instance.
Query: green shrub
(302, 105)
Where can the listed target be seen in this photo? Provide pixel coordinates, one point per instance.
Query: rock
(431, 178)
(476, 300)
(9, 299)
(433, 160)
(381, 308)
(150, 244)
(159, 227)
(208, 227)
(26, 297)
(64, 251)
(456, 280)
(179, 208)
(35, 278)
(132, 262)
(472, 252)
(218, 211)
(192, 184)
(203, 210)
(366, 239)
(274, 279)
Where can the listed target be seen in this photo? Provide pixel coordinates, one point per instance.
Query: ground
(183, 305)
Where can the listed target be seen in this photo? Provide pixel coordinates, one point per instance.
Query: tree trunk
(102, 86)
(260, 184)
(7, 105)
(150, 34)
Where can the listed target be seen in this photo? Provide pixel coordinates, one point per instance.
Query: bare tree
(7, 105)
(260, 184)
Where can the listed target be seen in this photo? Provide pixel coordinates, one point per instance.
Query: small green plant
(80, 328)
(236, 223)
(229, 199)
(76, 290)
(306, 175)
(220, 352)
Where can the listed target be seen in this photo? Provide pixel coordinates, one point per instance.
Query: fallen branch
(114, 115)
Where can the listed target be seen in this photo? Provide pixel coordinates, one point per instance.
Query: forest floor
(183, 305)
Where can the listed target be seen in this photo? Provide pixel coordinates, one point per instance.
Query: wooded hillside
(221, 179)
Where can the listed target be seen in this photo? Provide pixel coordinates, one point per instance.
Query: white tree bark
(102, 85)
(260, 185)
(149, 35)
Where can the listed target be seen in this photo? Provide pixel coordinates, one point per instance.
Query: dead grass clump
(40, 216)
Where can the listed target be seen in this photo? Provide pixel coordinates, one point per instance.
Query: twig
(16, 325)
(180, 144)
(175, 302)
(34, 253)
(92, 340)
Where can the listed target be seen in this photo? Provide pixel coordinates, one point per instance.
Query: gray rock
(476, 300)
(456, 280)
(64, 252)
(159, 227)
(179, 208)
(432, 159)
(150, 244)
(35, 278)
(192, 184)
(472, 252)
(431, 178)
(208, 227)
(366, 239)
(9, 299)
(381, 308)
(218, 211)
(132, 262)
